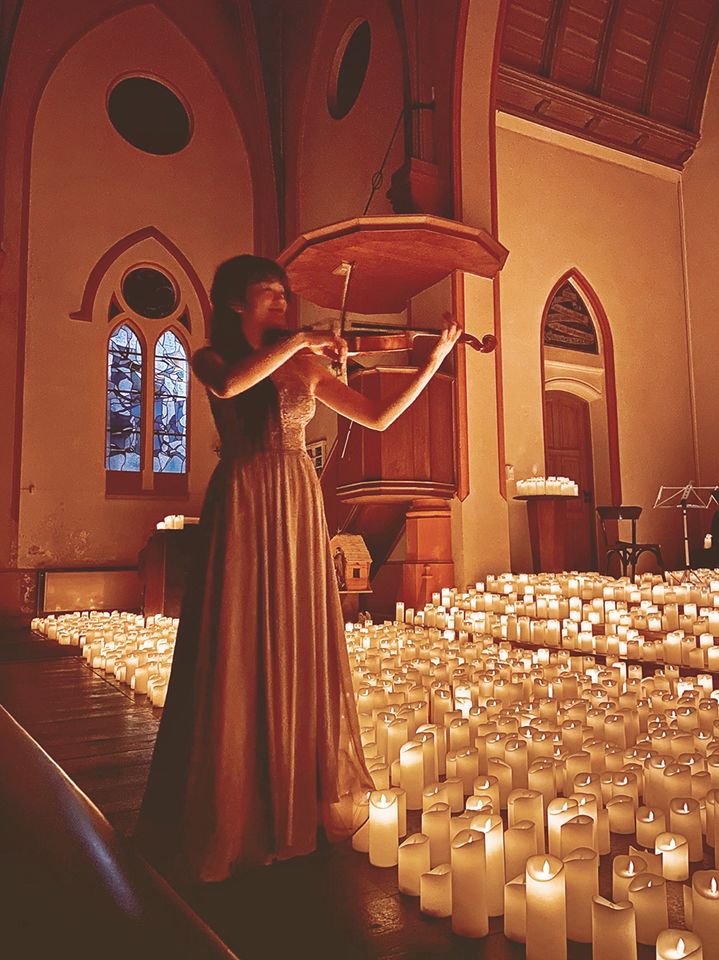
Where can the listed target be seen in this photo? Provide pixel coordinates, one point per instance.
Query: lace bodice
(296, 407)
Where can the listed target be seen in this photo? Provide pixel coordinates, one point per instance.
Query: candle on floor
(413, 862)
(528, 805)
(648, 895)
(469, 885)
(383, 829)
(401, 809)
(575, 833)
(558, 812)
(520, 843)
(581, 869)
(360, 820)
(411, 772)
(435, 891)
(435, 826)
(704, 895)
(675, 855)
(685, 819)
(621, 812)
(624, 870)
(675, 944)
(493, 829)
(651, 821)
(613, 930)
(455, 794)
(515, 909)
(489, 786)
(546, 909)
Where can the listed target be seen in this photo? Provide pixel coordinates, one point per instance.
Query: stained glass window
(124, 401)
(170, 411)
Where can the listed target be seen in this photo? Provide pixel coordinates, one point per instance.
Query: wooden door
(568, 453)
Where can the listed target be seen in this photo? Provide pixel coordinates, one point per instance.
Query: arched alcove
(580, 407)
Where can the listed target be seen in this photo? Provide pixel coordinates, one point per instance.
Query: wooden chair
(627, 551)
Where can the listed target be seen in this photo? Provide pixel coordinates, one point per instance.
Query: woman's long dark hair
(255, 407)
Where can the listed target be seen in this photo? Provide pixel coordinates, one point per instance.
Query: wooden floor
(332, 904)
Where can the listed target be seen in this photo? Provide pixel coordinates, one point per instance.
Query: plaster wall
(89, 188)
(565, 204)
(701, 213)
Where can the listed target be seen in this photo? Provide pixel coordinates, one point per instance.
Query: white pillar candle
(624, 870)
(685, 819)
(679, 945)
(546, 909)
(360, 820)
(650, 821)
(575, 834)
(489, 786)
(515, 909)
(411, 772)
(383, 829)
(401, 809)
(581, 869)
(540, 777)
(520, 843)
(435, 891)
(503, 772)
(434, 793)
(705, 909)
(559, 811)
(469, 885)
(613, 930)
(528, 805)
(515, 756)
(455, 794)
(464, 764)
(435, 826)
(648, 895)
(493, 829)
(675, 855)
(621, 812)
(413, 862)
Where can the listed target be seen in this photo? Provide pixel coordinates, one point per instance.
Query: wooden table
(547, 514)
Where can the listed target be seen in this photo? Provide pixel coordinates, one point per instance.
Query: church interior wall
(617, 222)
(200, 199)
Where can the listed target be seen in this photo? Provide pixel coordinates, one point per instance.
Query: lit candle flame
(650, 816)
(685, 808)
(630, 867)
(672, 844)
(681, 946)
(713, 885)
(546, 869)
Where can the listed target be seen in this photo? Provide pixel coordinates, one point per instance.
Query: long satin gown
(259, 741)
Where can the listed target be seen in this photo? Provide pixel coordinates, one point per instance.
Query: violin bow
(339, 367)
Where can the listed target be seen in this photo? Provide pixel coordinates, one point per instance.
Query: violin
(381, 339)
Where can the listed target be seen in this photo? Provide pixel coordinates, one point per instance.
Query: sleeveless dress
(259, 741)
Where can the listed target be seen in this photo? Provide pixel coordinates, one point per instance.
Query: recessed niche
(149, 293)
(149, 115)
(349, 69)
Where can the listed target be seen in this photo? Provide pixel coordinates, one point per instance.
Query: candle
(435, 826)
(546, 909)
(621, 812)
(647, 893)
(675, 855)
(493, 830)
(685, 819)
(679, 945)
(528, 805)
(650, 823)
(360, 820)
(515, 909)
(575, 834)
(558, 812)
(469, 885)
(435, 891)
(401, 809)
(624, 870)
(411, 772)
(383, 829)
(704, 897)
(520, 843)
(488, 786)
(413, 862)
(581, 869)
(613, 930)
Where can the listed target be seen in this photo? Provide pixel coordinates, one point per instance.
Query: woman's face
(264, 306)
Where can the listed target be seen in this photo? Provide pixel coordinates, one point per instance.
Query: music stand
(686, 498)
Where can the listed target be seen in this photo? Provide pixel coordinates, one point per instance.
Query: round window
(149, 115)
(349, 69)
(150, 293)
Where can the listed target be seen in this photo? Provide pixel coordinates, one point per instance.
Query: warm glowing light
(713, 885)
(546, 869)
(384, 801)
(681, 946)
(487, 824)
(630, 867)
(685, 808)
(672, 844)
(650, 816)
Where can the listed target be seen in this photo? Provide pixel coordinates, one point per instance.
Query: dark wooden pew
(69, 885)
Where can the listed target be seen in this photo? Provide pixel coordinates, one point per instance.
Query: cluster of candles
(487, 721)
(175, 521)
(133, 649)
(547, 486)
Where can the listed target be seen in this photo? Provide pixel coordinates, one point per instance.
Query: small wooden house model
(352, 562)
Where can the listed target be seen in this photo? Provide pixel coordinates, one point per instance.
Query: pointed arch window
(569, 323)
(170, 405)
(123, 448)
